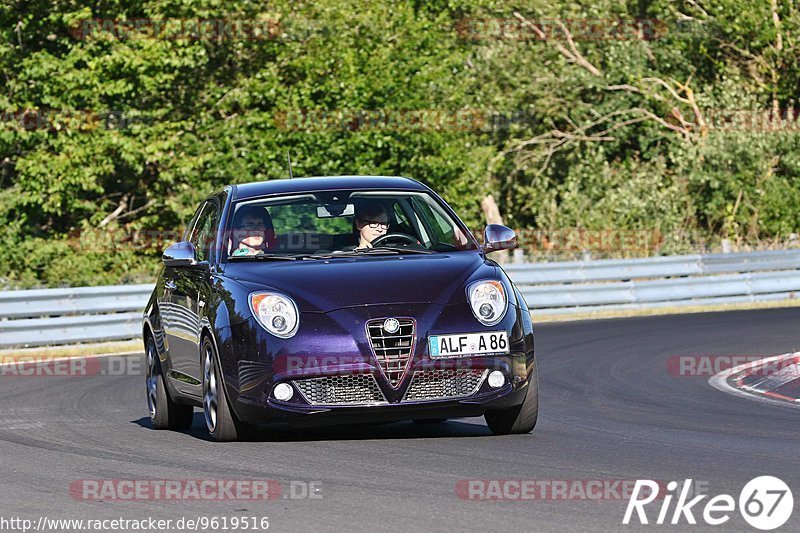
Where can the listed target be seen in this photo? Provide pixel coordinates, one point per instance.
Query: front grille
(444, 383)
(393, 351)
(337, 390)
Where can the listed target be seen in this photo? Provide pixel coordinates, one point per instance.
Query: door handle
(170, 285)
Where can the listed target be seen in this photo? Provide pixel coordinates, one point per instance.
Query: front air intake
(392, 350)
(356, 389)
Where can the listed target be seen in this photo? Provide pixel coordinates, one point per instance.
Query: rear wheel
(220, 420)
(520, 418)
(164, 413)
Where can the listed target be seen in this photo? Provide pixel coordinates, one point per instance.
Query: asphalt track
(610, 410)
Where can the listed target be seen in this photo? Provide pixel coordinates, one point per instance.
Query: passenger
(252, 231)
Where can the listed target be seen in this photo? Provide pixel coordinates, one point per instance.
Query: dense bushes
(107, 131)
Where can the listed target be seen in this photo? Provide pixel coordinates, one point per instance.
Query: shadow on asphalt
(281, 432)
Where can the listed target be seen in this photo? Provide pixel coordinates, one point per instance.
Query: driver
(371, 222)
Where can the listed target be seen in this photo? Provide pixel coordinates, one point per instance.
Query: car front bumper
(337, 378)
(306, 410)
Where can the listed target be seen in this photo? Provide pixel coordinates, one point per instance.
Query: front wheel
(221, 422)
(164, 413)
(520, 418)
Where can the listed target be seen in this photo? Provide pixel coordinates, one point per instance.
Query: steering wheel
(400, 236)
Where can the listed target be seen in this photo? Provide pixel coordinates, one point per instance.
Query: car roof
(246, 191)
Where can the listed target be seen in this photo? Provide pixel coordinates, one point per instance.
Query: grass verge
(74, 350)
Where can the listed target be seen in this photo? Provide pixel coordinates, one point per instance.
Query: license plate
(468, 344)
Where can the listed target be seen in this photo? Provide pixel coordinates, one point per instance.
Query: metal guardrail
(689, 280)
(81, 300)
(91, 314)
(45, 317)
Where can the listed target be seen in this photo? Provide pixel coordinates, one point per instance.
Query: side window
(402, 220)
(204, 231)
(443, 231)
(187, 234)
(423, 211)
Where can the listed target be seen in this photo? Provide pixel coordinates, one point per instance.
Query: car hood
(324, 285)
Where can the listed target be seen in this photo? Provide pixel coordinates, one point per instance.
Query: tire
(520, 418)
(164, 413)
(221, 422)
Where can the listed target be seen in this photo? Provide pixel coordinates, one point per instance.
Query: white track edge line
(720, 382)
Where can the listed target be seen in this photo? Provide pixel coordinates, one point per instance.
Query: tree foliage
(108, 138)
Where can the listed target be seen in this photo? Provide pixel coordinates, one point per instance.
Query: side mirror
(497, 237)
(181, 254)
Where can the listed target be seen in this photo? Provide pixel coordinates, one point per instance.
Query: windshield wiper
(344, 253)
(401, 249)
(378, 250)
(265, 257)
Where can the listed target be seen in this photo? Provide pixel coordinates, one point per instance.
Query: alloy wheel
(152, 379)
(210, 396)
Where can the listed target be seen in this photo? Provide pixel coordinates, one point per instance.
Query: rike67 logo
(765, 503)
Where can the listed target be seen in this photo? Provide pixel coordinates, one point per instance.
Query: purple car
(336, 300)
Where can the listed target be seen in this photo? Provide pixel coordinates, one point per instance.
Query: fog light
(284, 392)
(496, 379)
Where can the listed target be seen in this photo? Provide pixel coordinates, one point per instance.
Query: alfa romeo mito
(336, 300)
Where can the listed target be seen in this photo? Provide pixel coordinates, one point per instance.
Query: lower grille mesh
(337, 390)
(444, 383)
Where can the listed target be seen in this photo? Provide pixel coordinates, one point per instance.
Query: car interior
(324, 223)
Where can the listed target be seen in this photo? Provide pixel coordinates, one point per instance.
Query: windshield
(343, 223)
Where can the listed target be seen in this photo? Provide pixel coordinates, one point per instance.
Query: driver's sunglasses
(375, 225)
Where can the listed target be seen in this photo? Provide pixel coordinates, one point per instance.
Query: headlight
(275, 312)
(488, 301)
